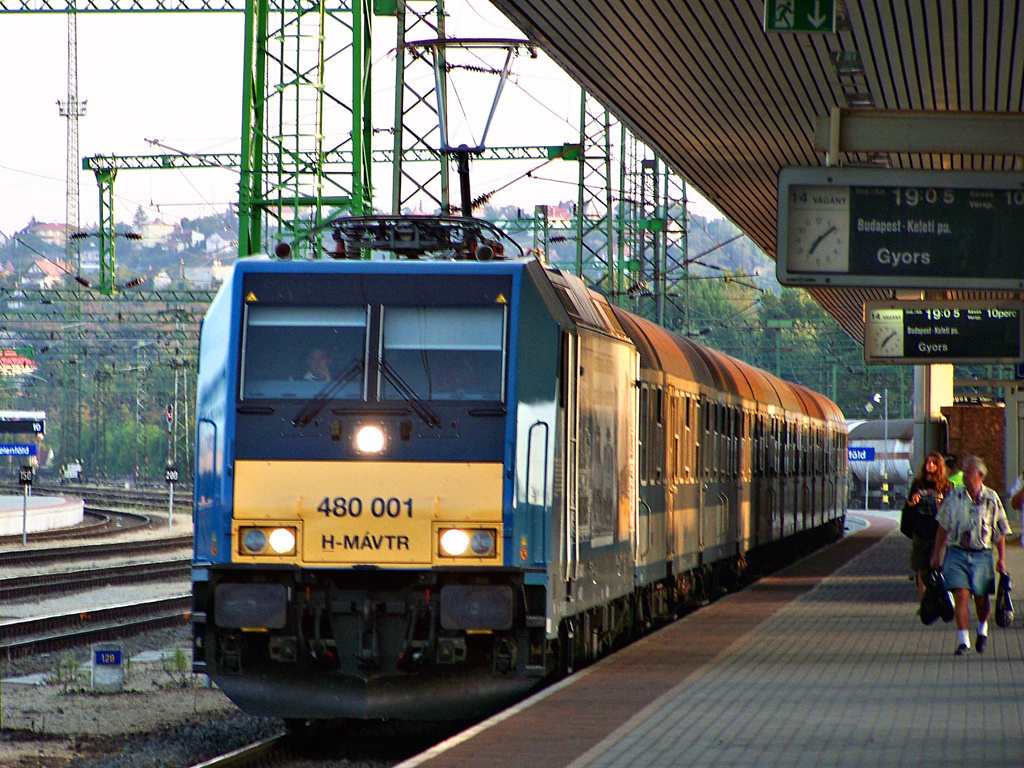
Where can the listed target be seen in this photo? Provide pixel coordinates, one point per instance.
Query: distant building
(161, 280)
(207, 275)
(220, 242)
(54, 234)
(156, 232)
(90, 261)
(12, 363)
(44, 273)
(184, 239)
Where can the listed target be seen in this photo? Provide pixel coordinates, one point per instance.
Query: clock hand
(821, 237)
(888, 338)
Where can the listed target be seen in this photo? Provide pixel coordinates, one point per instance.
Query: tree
(140, 219)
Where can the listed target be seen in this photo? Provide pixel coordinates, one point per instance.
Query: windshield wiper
(419, 406)
(326, 394)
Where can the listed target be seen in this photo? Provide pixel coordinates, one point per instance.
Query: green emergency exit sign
(799, 15)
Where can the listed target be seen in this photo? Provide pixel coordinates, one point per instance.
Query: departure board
(862, 227)
(33, 426)
(925, 332)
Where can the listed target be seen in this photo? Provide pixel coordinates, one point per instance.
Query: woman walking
(927, 491)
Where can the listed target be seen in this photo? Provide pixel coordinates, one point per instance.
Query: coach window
(673, 420)
(700, 416)
(737, 437)
(787, 452)
(280, 343)
(645, 433)
(775, 454)
(758, 447)
(712, 432)
(726, 442)
(443, 353)
(691, 436)
(658, 454)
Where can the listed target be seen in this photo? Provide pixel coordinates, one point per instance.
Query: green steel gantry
(306, 63)
(296, 171)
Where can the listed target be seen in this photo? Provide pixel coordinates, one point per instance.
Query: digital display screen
(905, 229)
(921, 333)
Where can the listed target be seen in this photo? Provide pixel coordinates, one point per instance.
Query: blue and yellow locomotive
(499, 477)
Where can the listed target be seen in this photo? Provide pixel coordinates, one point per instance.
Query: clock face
(818, 229)
(883, 333)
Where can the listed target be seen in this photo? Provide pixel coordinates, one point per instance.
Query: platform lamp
(884, 400)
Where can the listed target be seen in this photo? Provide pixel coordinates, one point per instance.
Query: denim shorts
(970, 569)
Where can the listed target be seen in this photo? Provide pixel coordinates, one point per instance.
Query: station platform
(39, 513)
(825, 663)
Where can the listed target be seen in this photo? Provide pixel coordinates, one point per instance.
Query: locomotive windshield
(291, 353)
(445, 353)
(432, 353)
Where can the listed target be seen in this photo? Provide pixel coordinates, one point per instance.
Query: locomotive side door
(570, 537)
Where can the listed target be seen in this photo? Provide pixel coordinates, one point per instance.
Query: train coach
(503, 476)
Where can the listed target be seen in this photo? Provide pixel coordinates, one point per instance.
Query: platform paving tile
(844, 676)
(818, 665)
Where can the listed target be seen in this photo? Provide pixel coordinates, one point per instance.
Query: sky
(176, 78)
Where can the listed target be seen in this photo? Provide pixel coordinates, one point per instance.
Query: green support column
(362, 127)
(595, 213)
(250, 184)
(108, 266)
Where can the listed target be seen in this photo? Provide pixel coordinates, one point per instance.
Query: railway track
(92, 551)
(97, 522)
(109, 495)
(42, 584)
(262, 751)
(372, 743)
(43, 634)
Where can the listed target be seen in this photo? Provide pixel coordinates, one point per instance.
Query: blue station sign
(865, 453)
(17, 449)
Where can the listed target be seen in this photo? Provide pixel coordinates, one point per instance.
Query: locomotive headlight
(481, 543)
(282, 540)
(267, 541)
(254, 541)
(467, 542)
(369, 439)
(454, 542)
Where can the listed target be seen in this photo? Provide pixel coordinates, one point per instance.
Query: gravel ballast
(166, 717)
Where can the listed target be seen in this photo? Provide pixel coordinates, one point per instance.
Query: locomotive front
(354, 487)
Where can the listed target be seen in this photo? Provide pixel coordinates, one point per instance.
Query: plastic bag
(1004, 606)
(929, 610)
(908, 521)
(936, 602)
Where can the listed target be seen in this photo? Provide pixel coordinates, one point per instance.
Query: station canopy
(914, 84)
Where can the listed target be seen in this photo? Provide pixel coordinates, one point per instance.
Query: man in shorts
(971, 520)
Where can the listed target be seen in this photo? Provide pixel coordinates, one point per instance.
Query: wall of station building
(978, 430)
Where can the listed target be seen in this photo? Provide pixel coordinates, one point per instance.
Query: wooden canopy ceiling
(728, 105)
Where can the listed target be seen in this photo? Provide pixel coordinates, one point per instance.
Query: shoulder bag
(1004, 606)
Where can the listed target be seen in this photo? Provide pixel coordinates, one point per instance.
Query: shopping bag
(939, 601)
(929, 610)
(908, 521)
(1004, 606)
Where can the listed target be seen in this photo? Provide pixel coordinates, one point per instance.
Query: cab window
(299, 352)
(443, 353)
